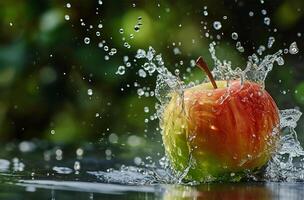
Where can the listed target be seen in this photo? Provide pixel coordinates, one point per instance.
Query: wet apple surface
(215, 132)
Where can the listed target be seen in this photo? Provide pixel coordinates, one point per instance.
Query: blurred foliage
(46, 69)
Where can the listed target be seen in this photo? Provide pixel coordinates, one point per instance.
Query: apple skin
(219, 136)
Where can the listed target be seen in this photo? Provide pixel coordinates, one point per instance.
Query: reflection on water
(46, 189)
(224, 192)
(39, 174)
(245, 191)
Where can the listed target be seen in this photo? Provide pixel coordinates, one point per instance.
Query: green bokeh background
(46, 68)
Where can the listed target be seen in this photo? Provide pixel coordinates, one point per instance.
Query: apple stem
(203, 65)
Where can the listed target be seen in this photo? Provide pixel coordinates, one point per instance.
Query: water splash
(287, 164)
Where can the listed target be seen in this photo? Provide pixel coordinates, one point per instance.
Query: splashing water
(288, 162)
(286, 165)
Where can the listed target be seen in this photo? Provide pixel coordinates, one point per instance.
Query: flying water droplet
(271, 40)
(239, 47)
(217, 25)
(267, 21)
(280, 61)
(140, 92)
(146, 109)
(234, 36)
(261, 49)
(77, 166)
(86, 40)
(121, 70)
(142, 73)
(90, 92)
(136, 28)
(67, 17)
(293, 48)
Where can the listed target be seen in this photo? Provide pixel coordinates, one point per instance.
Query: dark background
(46, 68)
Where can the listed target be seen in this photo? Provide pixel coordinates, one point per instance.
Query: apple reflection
(219, 191)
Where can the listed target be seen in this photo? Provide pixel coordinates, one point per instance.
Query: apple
(220, 132)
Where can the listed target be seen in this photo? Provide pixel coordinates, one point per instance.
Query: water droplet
(142, 73)
(137, 160)
(113, 51)
(264, 12)
(121, 70)
(121, 31)
(293, 48)
(136, 28)
(251, 14)
(79, 152)
(146, 109)
(271, 40)
(97, 33)
(53, 132)
(217, 25)
(140, 54)
(100, 44)
(125, 58)
(267, 21)
(90, 92)
(86, 40)
(127, 45)
(100, 25)
(280, 61)
(205, 13)
(113, 138)
(67, 17)
(108, 152)
(239, 47)
(62, 170)
(106, 48)
(140, 92)
(234, 36)
(77, 166)
(261, 49)
(68, 5)
(100, 2)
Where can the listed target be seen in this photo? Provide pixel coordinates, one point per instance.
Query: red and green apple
(217, 131)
